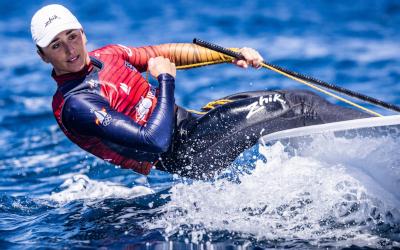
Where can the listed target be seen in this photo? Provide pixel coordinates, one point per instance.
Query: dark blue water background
(352, 43)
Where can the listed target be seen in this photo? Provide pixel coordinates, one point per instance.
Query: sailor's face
(67, 52)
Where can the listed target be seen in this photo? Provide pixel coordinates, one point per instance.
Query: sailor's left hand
(252, 58)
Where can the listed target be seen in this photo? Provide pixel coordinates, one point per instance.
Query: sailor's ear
(42, 55)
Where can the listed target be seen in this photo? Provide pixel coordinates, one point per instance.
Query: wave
(81, 187)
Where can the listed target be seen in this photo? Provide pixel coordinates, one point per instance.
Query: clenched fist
(160, 65)
(251, 57)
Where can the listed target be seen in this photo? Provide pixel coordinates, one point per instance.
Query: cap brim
(52, 33)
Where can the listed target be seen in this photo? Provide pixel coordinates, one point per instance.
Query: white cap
(49, 21)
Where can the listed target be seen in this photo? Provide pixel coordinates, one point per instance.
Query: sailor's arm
(79, 114)
(187, 55)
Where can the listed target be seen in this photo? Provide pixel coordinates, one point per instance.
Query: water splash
(293, 197)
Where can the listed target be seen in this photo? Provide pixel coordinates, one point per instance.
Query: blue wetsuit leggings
(205, 144)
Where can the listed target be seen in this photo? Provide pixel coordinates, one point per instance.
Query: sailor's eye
(55, 46)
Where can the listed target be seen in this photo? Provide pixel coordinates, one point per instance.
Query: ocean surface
(53, 195)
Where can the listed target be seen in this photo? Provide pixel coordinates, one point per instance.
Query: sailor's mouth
(73, 59)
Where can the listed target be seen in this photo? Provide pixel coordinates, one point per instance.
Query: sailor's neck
(61, 79)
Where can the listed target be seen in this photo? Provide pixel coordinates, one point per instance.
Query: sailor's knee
(303, 97)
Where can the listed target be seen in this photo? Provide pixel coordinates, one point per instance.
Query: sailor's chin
(76, 67)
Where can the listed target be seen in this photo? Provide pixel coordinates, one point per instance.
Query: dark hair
(39, 48)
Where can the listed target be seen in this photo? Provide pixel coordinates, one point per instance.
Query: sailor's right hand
(161, 65)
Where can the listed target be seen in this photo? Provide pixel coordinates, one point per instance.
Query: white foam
(375, 162)
(81, 187)
(287, 197)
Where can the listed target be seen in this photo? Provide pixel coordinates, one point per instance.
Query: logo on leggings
(262, 101)
(102, 117)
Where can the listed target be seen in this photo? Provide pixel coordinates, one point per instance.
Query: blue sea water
(54, 195)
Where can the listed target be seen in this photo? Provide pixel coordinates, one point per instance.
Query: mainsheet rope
(322, 90)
